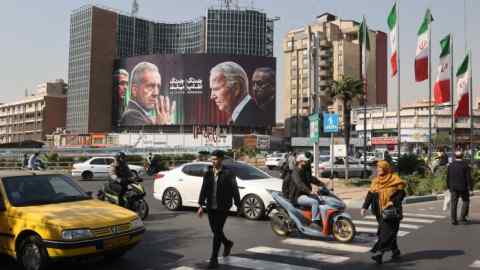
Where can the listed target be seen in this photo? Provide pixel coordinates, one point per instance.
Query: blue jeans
(305, 200)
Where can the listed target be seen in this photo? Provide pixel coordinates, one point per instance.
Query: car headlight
(77, 234)
(136, 223)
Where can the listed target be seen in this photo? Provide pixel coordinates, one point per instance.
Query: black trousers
(217, 220)
(387, 235)
(455, 195)
(120, 190)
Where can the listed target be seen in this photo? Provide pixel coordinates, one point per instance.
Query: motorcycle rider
(120, 175)
(300, 189)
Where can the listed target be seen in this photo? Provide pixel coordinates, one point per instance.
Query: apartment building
(327, 50)
(34, 116)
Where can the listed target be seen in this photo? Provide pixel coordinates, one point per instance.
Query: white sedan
(99, 167)
(181, 187)
(276, 160)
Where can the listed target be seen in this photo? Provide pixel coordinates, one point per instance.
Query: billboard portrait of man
(146, 106)
(263, 89)
(120, 79)
(229, 91)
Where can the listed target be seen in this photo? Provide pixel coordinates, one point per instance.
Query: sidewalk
(353, 196)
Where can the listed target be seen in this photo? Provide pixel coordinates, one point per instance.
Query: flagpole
(429, 86)
(470, 70)
(399, 127)
(452, 108)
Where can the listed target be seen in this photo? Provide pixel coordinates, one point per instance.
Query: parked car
(276, 160)
(49, 218)
(355, 168)
(181, 186)
(99, 167)
(371, 157)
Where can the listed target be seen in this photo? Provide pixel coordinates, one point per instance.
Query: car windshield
(277, 155)
(246, 172)
(42, 189)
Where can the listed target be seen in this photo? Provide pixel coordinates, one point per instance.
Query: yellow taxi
(46, 217)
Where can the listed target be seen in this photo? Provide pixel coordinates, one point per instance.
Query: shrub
(409, 164)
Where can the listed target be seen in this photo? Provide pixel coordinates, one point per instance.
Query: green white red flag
(393, 28)
(423, 47)
(463, 89)
(441, 89)
(365, 45)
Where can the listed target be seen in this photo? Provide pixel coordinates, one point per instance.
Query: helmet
(120, 155)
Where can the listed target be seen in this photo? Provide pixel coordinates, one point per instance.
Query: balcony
(325, 43)
(325, 73)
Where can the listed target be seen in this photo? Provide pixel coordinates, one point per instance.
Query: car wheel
(87, 175)
(172, 199)
(32, 254)
(142, 209)
(252, 207)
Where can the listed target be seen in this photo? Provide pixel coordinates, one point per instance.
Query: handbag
(390, 213)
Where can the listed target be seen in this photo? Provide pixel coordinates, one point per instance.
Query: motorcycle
(134, 198)
(285, 218)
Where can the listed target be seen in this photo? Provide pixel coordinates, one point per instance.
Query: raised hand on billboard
(165, 111)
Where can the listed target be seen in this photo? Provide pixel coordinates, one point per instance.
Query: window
(246, 172)
(197, 170)
(98, 161)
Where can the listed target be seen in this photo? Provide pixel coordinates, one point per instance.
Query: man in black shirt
(219, 189)
(459, 182)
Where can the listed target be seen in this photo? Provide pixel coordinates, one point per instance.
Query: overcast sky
(34, 34)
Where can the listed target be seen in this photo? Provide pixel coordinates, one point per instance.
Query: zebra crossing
(475, 264)
(307, 254)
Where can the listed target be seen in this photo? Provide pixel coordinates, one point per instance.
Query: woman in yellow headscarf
(385, 198)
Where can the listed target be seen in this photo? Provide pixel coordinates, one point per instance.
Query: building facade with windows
(326, 50)
(99, 35)
(34, 116)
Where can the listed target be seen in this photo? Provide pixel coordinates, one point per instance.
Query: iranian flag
(421, 57)
(365, 45)
(393, 27)
(463, 87)
(441, 89)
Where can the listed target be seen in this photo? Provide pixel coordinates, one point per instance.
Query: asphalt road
(180, 240)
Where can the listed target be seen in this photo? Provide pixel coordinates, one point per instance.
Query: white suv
(276, 160)
(99, 167)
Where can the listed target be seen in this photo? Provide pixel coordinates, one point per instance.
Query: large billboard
(197, 89)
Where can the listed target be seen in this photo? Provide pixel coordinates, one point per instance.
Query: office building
(99, 35)
(34, 116)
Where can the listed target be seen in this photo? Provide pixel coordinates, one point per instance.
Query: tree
(346, 90)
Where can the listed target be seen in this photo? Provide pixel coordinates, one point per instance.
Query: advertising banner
(196, 89)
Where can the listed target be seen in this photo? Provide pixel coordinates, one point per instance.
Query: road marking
(259, 264)
(423, 215)
(374, 223)
(422, 209)
(313, 256)
(326, 245)
(183, 268)
(475, 264)
(374, 230)
(414, 220)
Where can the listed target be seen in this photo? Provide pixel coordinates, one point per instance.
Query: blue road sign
(330, 122)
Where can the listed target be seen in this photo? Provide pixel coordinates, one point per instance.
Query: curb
(357, 203)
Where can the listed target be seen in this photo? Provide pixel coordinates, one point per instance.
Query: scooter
(134, 197)
(285, 218)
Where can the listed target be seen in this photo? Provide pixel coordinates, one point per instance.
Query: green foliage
(439, 179)
(410, 164)
(52, 157)
(83, 158)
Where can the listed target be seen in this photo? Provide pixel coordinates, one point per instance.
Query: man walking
(219, 189)
(459, 182)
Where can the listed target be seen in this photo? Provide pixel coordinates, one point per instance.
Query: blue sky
(34, 44)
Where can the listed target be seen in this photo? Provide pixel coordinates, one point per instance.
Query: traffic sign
(330, 122)
(314, 127)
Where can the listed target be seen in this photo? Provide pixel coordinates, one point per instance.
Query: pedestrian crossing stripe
(423, 215)
(374, 223)
(475, 264)
(183, 268)
(414, 220)
(312, 256)
(259, 264)
(374, 230)
(326, 245)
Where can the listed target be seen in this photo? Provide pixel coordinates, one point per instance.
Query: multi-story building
(326, 50)
(34, 116)
(100, 35)
(382, 129)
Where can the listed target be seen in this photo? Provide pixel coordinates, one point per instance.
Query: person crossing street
(459, 183)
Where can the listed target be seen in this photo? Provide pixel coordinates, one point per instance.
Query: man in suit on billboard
(263, 88)
(229, 85)
(146, 106)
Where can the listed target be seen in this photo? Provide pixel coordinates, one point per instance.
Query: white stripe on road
(313, 256)
(423, 215)
(414, 220)
(183, 268)
(326, 245)
(374, 230)
(475, 264)
(259, 264)
(373, 223)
